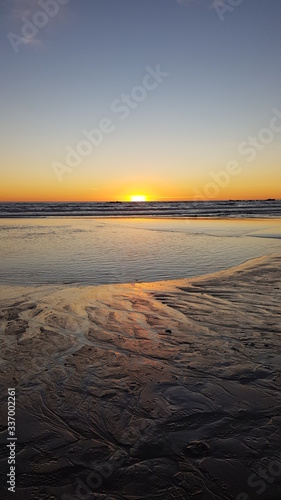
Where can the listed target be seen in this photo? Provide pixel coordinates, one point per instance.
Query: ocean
(104, 243)
(210, 209)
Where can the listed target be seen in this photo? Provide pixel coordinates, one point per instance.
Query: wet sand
(167, 390)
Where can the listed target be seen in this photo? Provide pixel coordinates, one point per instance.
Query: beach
(140, 250)
(161, 390)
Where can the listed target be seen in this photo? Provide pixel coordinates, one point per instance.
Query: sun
(138, 197)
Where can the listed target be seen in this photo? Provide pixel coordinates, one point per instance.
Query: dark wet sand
(166, 391)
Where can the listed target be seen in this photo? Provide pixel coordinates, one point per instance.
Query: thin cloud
(21, 8)
(28, 19)
(33, 42)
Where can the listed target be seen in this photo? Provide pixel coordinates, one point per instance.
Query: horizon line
(159, 200)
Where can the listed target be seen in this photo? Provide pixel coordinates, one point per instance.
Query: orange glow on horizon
(76, 190)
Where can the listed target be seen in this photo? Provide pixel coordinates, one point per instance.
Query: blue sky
(224, 80)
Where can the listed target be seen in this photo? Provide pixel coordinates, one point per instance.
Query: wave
(188, 209)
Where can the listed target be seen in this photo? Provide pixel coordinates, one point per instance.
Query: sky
(170, 99)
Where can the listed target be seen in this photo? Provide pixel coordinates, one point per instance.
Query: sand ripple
(168, 390)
